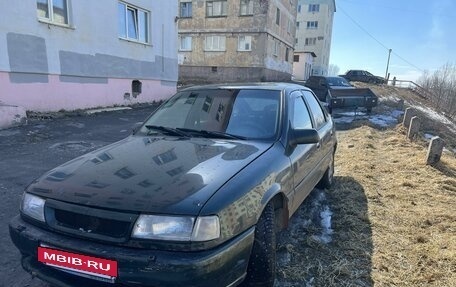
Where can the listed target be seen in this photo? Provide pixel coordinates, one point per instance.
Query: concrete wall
(323, 33)
(232, 65)
(302, 69)
(46, 67)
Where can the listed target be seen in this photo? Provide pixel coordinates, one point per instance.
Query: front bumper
(224, 265)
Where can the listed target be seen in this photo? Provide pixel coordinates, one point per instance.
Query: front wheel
(262, 262)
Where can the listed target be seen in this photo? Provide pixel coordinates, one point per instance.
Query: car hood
(149, 174)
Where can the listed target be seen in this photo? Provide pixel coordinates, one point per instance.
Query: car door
(303, 157)
(323, 124)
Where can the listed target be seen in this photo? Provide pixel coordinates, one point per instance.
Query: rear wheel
(328, 177)
(262, 262)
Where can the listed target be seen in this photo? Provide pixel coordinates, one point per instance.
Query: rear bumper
(340, 102)
(224, 265)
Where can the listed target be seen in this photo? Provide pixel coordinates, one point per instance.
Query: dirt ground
(393, 218)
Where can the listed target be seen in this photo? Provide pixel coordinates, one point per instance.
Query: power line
(375, 39)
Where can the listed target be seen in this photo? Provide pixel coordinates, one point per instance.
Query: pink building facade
(58, 55)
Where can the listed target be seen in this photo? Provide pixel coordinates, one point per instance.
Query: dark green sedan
(194, 197)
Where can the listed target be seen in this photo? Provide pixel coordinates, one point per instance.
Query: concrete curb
(11, 116)
(102, 110)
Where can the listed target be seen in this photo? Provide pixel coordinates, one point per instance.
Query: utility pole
(387, 64)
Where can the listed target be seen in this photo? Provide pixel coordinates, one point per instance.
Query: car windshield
(241, 113)
(338, 81)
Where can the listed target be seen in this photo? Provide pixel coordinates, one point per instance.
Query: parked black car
(194, 197)
(320, 85)
(363, 76)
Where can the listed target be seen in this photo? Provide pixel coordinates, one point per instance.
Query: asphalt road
(27, 152)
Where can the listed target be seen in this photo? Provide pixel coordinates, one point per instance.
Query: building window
(216, 8)
(314, 7)
(278, 16)
(246, 7)
(275, 51)
(311, 41)
(133, 23)
(287, 51)
(312, 24)
(289, 27)
(296, 58)
(215, 43)
(186, 9)
(245, 43)
(297, 25)
(55, 11)
(165, 157)
(185, 43)
(299, 8)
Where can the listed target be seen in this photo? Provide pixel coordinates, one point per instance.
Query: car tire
(262, 262)
(328, 177)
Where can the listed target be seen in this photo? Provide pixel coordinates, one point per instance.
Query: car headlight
(176, 228)
(33, 206)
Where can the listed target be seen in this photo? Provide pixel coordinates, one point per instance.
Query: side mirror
(300, 136)
(136, 127)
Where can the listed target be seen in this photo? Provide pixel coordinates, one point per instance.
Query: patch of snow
(435, 115)
(352, 114)
(383, 120)
(325, 222)
(428, 136)
(390, 98)
(344, 120)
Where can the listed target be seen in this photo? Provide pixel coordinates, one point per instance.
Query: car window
(315, 108)
(301, 116)
(338, 81)
(248, 113)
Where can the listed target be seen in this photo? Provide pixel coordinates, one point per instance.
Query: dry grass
(394, 218)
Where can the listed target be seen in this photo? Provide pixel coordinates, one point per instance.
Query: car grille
(89, 222)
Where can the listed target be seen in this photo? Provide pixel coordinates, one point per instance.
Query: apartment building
(70, 54)
(314, 23)
(236, 40)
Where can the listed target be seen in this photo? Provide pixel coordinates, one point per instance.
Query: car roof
(278, 86)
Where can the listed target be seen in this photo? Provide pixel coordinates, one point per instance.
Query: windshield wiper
(170, 131)
(216, 134)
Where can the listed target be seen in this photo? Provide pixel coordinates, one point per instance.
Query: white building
(314, 25)
(302, 65)
(67, 54)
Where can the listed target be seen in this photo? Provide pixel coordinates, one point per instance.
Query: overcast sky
(421, 33)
